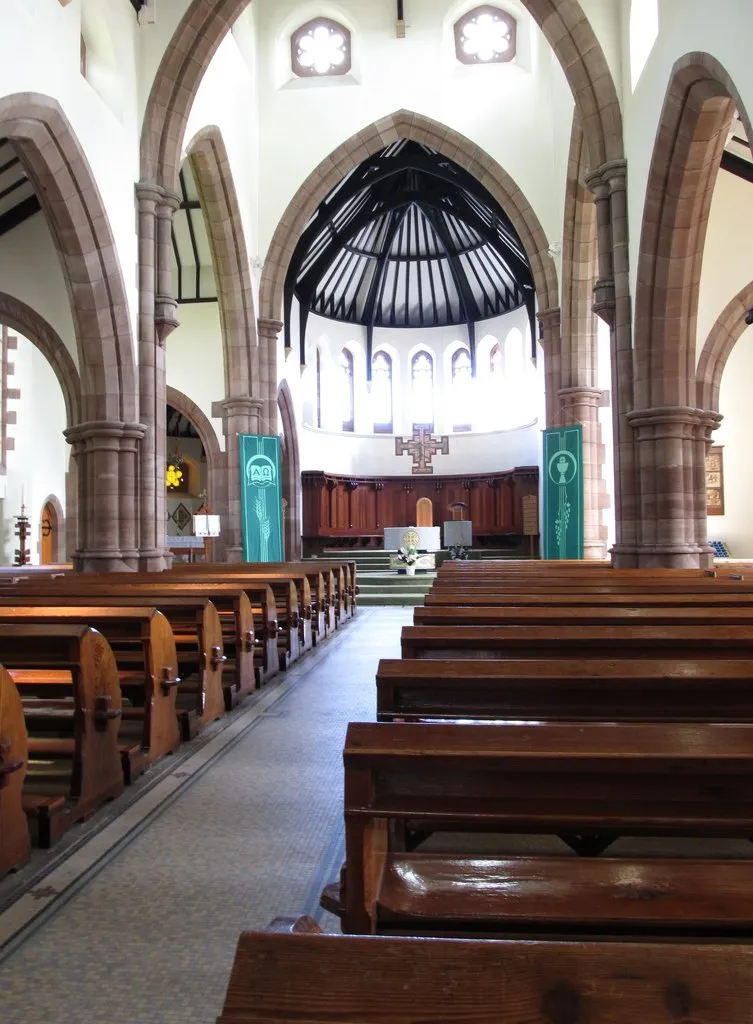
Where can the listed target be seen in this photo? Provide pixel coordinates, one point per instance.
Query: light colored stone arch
(65, 186)
(206, 22)
(219, 204)
(22, 318)
(404, 124)
(722, 338)
(292, 470)
(216, 463)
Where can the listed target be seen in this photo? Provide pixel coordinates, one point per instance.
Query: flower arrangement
(407, 555)
(458, 553)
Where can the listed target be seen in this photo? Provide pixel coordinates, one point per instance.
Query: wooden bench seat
(67, 678)
(526, 641)
(632, 599)
(560, 689)
(593, 614)
(142, 642)
(195, 624)
(14, 754)
(298, 974)
(586, 783)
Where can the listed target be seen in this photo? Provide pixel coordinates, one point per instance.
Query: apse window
(462, 375)
(347, 395)
(486, 35)
(320, 47)
(381, 392)
(422, 381)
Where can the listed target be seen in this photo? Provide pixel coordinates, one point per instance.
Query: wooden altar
(352, 511)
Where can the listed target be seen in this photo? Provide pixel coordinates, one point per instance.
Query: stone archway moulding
(106, 435)
(293, 525)
(206, 22)
(22, 318)
(723, 337)
(667, 496)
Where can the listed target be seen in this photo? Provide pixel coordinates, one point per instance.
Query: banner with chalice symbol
(563, 492)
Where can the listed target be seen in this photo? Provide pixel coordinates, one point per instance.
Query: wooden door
(48, 527)
(424, 512)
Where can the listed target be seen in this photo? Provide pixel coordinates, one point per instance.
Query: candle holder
(23, 555)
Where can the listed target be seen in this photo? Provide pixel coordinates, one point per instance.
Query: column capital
(683, 421)
(607, 178)
(581, 395)
(268, 328)
(550, 319)
(237, 405)
(106, 433)
(168, 203)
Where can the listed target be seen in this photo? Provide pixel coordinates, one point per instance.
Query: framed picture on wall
(715, 481)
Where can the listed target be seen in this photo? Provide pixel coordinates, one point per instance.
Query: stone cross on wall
(422, 447)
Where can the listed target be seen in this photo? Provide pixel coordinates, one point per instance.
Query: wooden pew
(14, 753)
(595, 614)
(68, 681)
(558, 689)
(712, 641)
(472, 598)
(144, 648)
(299, 975)
(586, 783)
(196, 627)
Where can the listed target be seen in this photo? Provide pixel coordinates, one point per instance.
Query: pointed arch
(723, 336)
(698, 108)
(60, 534)
(206, 22)
(405, 124)
(16, 315)
(67, 191)
(291, 473)
(219, 204)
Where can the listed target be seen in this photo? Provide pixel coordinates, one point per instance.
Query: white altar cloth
(428, 537)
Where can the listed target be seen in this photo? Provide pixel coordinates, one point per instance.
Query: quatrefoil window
(320, 47)
(485, 35)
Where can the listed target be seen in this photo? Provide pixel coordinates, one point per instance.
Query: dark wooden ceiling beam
(18, 214)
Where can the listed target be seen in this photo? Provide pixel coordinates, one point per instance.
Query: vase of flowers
(408, 556)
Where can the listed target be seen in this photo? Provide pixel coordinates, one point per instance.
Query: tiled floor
(248, 827)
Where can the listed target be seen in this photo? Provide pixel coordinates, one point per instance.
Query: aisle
(255, 830)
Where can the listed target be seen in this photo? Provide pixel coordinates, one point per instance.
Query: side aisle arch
(291, 469)
(722, 338)
(106, 436)
(672, 432)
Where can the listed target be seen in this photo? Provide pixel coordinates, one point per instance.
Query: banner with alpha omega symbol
(261, 497)
(563, 492)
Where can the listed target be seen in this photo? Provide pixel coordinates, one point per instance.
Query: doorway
(49, 534)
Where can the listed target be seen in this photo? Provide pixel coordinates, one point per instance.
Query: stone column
(611, 302)
(105, 454)
(551, 343)
(581, 405)
(268, 331)
(240, 415)
(671, 446)
(156, 320)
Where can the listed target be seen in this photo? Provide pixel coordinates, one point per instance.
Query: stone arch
(723, 336)
(64, 183)
(404, 124)
(222, 217)
(691, 135)
(291, 473)
(216, 477)
(206, 22)
(22, 318)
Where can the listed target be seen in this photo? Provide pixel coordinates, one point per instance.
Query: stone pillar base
(154, 561)
(656, 556)
(233, 554)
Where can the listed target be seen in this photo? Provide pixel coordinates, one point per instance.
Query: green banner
(563, 492)
(261, 497)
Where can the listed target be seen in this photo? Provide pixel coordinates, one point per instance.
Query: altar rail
(352, 511)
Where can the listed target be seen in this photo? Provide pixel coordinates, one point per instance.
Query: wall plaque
(715, 481)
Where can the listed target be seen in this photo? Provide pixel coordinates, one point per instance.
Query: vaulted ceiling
(408, 239)
(193, 273)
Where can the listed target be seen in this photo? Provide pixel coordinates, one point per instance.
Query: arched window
(422, 388)
(320, 47)
(346, 390)
(381, 392)
(460, 394)
(495, 363)
(318, 389)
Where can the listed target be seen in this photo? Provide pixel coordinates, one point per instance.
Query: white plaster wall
(735, 527)
(728, 252)
(41, 54)
(30, 271)
(36, 467)
(685, 26)
(478, 450)
(227, 98)
(194, 358)
(518, 112)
